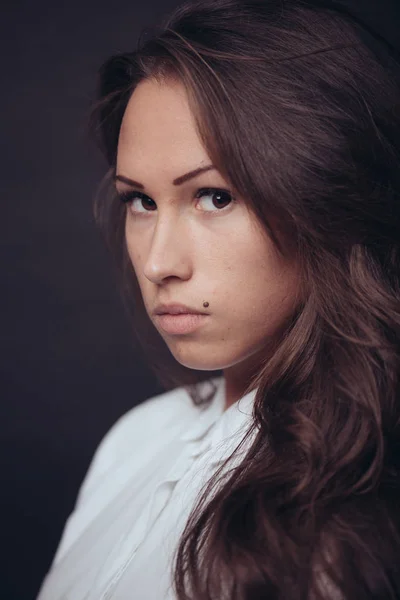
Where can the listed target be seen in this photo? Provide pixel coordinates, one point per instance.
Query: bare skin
(190, 249)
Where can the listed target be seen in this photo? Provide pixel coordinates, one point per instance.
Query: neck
(237, 380)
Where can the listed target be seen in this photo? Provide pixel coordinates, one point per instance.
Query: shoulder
(132, 442)
(149, 423)
(149, 418)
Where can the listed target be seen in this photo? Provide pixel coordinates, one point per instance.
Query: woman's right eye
(137, 200)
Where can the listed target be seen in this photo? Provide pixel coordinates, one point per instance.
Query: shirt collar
(222, 424)
(209, 414)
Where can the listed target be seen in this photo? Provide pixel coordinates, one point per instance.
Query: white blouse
(141, 485)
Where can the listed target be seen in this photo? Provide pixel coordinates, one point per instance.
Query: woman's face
(189, 249)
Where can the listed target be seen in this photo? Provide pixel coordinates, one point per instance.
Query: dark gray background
(69, 366)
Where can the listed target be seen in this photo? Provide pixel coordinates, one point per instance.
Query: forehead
(158, 123)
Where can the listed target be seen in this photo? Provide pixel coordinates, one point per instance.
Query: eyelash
(127, 197)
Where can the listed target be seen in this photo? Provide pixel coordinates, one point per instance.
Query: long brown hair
(303, 118)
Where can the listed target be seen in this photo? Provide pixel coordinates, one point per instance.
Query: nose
(169, 254)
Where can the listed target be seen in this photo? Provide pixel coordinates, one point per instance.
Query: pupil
(152, 204)
(220, 195)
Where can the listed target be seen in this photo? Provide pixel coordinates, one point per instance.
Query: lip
(177, 309)
(178, 324)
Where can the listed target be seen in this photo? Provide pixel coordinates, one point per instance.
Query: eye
(131, 197)
(216, 198)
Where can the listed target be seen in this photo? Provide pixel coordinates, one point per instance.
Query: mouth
(179, 324)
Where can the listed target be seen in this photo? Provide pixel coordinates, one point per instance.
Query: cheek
(135, 256)
(133, 248)
(264, 286)
(252, 264)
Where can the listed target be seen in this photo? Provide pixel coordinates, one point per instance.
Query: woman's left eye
(218, 197)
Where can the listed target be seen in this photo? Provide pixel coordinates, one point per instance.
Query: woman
(254, 153)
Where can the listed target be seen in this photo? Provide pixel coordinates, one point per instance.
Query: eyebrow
(177, 181)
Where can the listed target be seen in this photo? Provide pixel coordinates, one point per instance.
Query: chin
(200, 365)
(202, 361)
